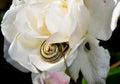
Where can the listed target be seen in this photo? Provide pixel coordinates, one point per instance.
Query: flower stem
(115, 65)
(67, 68)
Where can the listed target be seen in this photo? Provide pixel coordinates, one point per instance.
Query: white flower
(30, 26)
(27, 26)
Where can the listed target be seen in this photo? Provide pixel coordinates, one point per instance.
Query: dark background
(10, 75)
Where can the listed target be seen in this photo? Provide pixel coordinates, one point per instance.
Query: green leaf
(83, 81)
(113, 76)
(1, 15)
(116, 54)
(114, 71)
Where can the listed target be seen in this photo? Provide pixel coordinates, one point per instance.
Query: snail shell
(53, 52)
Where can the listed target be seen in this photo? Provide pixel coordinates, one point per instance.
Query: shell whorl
(53, 52)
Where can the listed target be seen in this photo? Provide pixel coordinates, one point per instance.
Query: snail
(53, 52)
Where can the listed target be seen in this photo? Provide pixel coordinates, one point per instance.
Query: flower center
(53, 52)
(61, 3)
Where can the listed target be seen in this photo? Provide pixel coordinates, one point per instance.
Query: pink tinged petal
(116, 14)
(20, 49)
(8, 29)
(93, 62)
(101, 15)
(57, 77)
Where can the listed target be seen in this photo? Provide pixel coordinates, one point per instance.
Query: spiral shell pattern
(53, 52)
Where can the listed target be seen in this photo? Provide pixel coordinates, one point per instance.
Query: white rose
(27, 29)
(26, 26)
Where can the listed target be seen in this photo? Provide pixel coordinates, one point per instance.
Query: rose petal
(80, 17)
(57, 77)
(30, 21)
(101, 15)
(10, 60)
(41, 64)
(60, 35)
(93, 62)
(55, 16)
(46, 66)
(115, 16)
(37, 79)
(20, 53)
(75, 28)
(7, 26)
(18, 2)
(60, 31)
